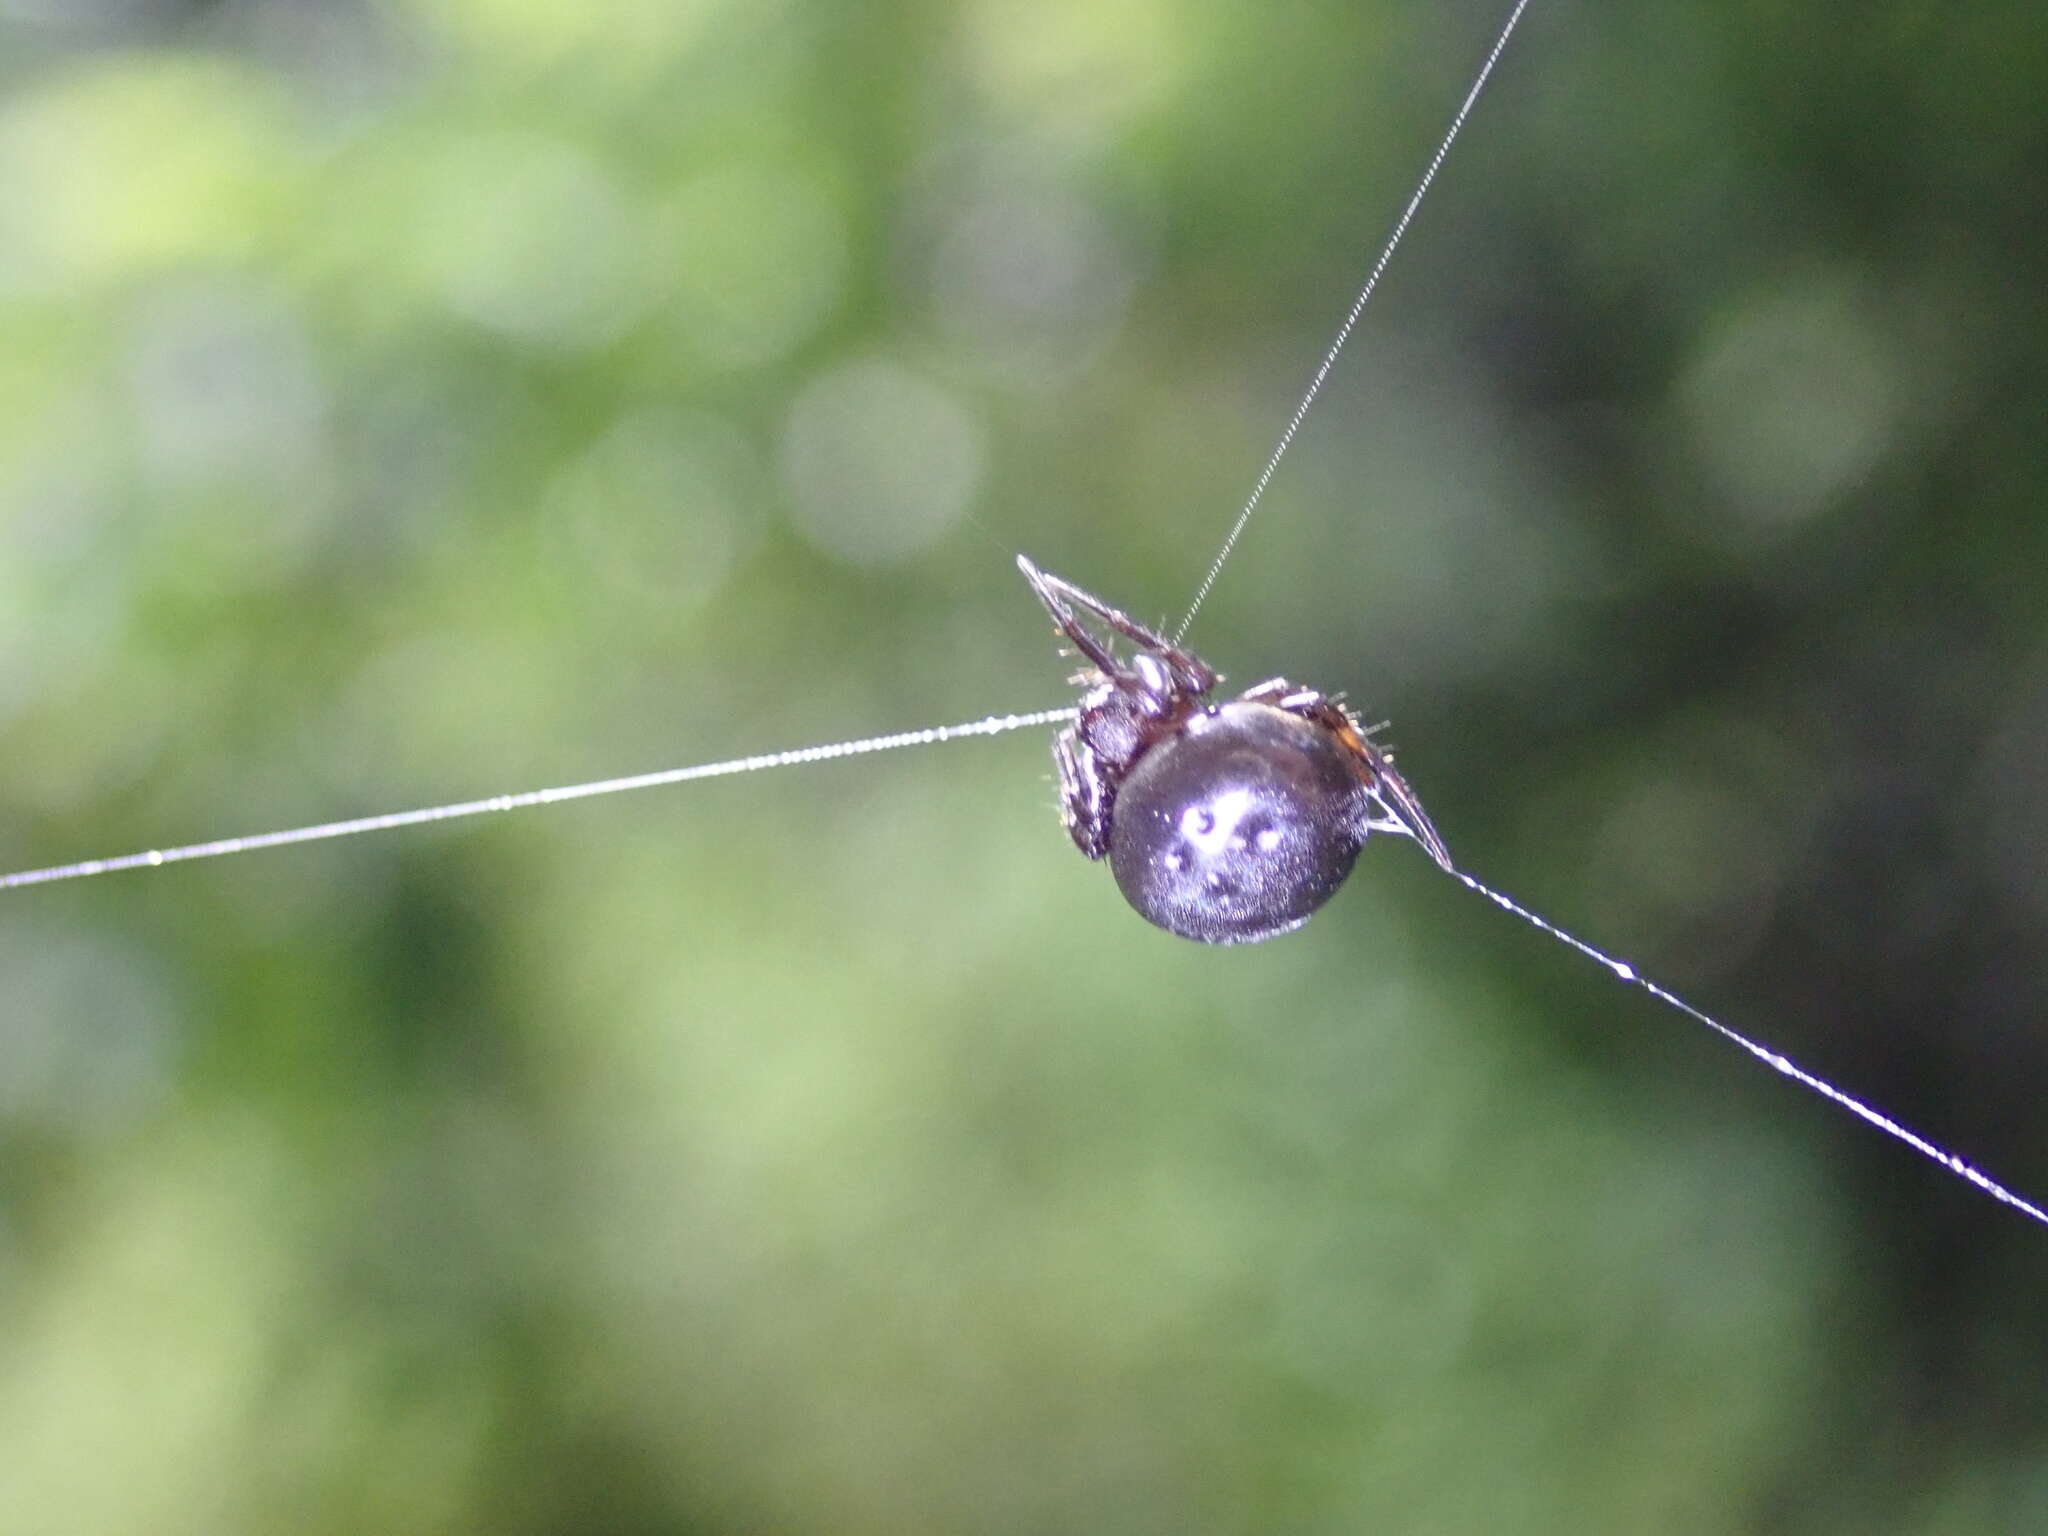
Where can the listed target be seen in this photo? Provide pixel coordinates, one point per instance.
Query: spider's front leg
(1181, 670)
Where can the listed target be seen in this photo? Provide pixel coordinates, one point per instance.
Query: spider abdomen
(1238, 826)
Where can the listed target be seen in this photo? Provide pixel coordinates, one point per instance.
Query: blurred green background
(411, 400)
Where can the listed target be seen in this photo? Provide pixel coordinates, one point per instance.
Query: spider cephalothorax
(1225, 822)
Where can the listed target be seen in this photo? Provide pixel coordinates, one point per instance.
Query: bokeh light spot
(754, 261)
(88, 1034)
(134, 167)
(1027, 277)
(661, 507)
(1792, 397)
(878, 462)
(532, 237)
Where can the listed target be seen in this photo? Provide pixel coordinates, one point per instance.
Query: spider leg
(1084, 797)
(1189, 671)
(1389, 791)
(1282, 694)
(1053, 593)
(1405, 813)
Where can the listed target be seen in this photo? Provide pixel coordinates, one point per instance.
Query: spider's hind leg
(1400, 810)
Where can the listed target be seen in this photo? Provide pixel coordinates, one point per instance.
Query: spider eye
(1237, 827)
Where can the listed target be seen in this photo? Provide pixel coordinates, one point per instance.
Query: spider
(1224, 822)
